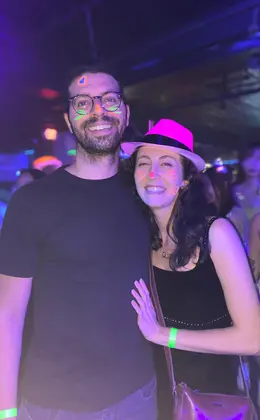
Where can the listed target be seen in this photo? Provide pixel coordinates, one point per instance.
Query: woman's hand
(143, 306)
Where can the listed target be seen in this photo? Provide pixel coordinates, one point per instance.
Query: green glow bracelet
(8, 414)
(172, 338)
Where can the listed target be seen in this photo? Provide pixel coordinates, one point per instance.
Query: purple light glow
(221, 169)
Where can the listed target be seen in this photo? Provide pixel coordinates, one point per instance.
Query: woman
(201, 269)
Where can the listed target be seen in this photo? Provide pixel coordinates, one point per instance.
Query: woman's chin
(155, 203)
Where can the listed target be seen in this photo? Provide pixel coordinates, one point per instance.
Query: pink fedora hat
(168, 134)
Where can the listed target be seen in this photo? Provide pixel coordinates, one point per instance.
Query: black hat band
(164, 141)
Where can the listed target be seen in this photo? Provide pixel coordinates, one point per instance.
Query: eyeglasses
(84, 104)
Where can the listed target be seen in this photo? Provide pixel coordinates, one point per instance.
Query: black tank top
(194, 300)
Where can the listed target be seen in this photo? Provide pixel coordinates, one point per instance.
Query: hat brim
(130, 147)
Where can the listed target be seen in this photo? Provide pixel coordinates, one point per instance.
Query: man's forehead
(93, 83)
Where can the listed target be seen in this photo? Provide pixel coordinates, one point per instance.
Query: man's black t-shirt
(84, 242)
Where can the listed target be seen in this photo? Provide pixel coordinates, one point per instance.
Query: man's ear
(66, 118)
(127, 115)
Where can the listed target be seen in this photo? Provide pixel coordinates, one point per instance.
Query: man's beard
(98, 146)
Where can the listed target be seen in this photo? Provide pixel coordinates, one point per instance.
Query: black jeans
(141, 405)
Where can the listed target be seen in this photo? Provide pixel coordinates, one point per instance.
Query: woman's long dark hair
(187, 225)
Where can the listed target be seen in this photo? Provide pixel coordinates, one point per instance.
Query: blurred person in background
(27, 176)
(254, 247)
(221, 192)
(247, 185)
(220, 177)
(254, 254)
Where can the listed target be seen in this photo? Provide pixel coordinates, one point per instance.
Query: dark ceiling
(214, 100)
(141, 41)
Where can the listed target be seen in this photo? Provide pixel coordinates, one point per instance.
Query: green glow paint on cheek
(81, 114)
(78, 117)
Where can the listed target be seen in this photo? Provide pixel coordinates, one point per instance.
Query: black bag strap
(160, 318)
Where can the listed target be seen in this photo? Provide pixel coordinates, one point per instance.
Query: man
(80, 238)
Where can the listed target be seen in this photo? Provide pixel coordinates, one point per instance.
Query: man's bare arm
(14, 298)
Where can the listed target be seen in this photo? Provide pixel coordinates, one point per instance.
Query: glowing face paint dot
(98, 108)
(71, 152)
(82, 80)
(172, 172)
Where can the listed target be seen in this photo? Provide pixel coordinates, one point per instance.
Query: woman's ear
(184, 184)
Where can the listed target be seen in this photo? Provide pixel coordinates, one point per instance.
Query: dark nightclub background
(196, 62)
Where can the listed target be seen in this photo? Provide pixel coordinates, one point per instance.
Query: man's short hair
(78, 71)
